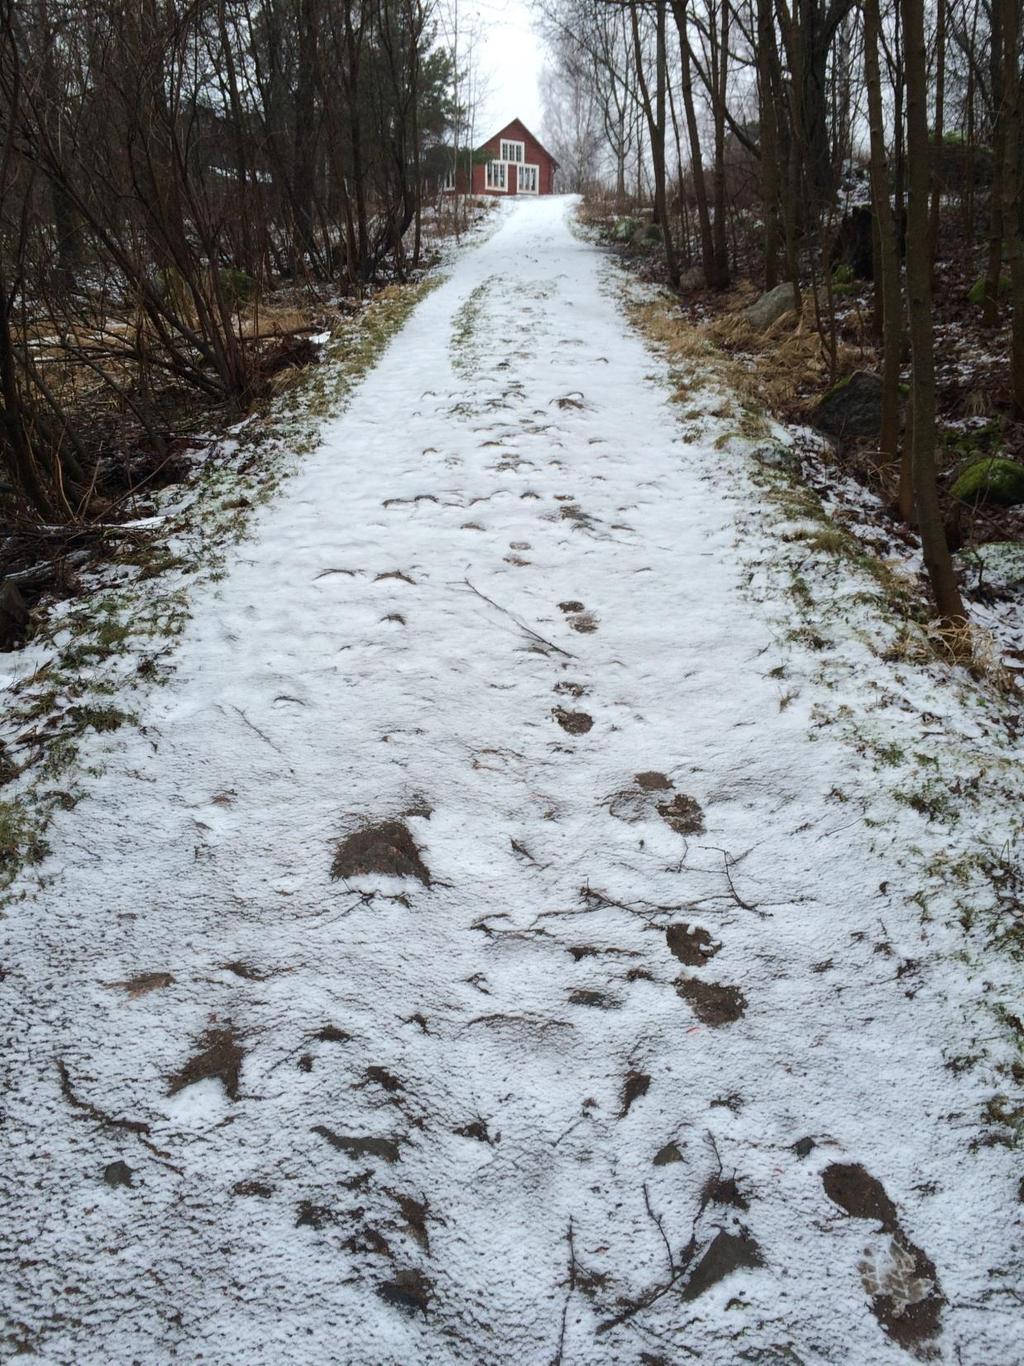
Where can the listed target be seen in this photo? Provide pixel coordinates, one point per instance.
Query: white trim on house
(496, 176)
(449, 181)
(530, 172)
(511, 150)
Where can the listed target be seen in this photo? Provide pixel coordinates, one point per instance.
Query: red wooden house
(511, 162)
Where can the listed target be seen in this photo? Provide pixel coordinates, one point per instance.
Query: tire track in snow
(578, 1097)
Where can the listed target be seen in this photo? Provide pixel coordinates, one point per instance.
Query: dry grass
(774, 369)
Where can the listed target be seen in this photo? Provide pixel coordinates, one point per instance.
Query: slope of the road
(627, 1067)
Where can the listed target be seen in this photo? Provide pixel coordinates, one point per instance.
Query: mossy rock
(625, 228)
(843, 275)
(992, 480)
(976, 293)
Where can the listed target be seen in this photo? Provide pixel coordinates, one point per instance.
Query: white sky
(510, 59)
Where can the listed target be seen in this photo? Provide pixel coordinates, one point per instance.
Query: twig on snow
(549, 645)
(557, 1359)
(265, 738)
(729, 863)
(137, 1127)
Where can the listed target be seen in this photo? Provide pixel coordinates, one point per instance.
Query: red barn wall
(533, 153)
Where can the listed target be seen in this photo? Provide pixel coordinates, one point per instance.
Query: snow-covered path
(632, 1071)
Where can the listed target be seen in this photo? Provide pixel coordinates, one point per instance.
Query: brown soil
(637, 1084)
(414, 1212)
(651, 781)
(259, 1189)
(691, 944)
(387, 849)
(571, 606)
(711, 1002)
(386, 1148)
(856, 1191)
(220, 1057)
(408, 1290)
(597, 999)
(728, 1252)
(683, 814)
(862, 1196)
(145, 982)
(664, 1157)
(575, 722)
(380, 1076)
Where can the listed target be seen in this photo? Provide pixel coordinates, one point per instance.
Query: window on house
(449, 180)
(529, 176)
(513, 151)
(496, 178)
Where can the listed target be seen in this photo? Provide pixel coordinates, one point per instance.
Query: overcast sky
(509, 59)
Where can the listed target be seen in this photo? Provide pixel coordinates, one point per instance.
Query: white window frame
(449, 181)
(512, 151)
(534, 167)
(493, 180)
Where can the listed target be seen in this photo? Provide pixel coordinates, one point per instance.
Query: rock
(997, 565)
(13, 615)
(852, 408)
(991, 480)
(976, 293)
(691, 280)
(624, 229)
(771, 307)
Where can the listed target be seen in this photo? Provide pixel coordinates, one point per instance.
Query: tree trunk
(937, 559)
(887, 264)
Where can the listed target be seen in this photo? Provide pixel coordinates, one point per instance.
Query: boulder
(997, 565)
(852, 408)
(691, 280)
(771, 307)
(990, 480)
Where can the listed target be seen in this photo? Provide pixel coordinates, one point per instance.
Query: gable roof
(523, 126)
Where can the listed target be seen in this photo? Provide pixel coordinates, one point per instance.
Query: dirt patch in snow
(408, 1290)
(637, 1084)
(219, 1058)
(713, 1003)
(652, 781)
(387, 849)
(901, 1281)
(387, 1149)
(683, 815)
(579, 618)
(575, 722)
(691, 944)
(144, 983)
(861, 1195)
(728, 1252)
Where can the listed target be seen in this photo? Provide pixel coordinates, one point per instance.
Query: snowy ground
(652, 1062)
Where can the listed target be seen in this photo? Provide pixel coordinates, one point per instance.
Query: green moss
(976, 293)
(993, 480)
